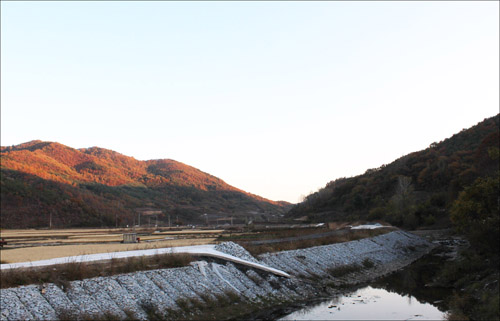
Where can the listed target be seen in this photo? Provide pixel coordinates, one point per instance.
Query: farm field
(91, 235)
(33, 245)
(36, 253)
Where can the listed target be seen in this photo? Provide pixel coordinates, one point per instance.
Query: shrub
(152, 312)
(476, 214)
(367, 263)
(343, 270)
(183, 304)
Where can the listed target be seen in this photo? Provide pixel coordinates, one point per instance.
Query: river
(405, 295)
(369, 303)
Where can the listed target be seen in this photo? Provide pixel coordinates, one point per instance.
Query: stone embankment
(188, 291)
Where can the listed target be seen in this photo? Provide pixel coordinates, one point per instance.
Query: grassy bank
(352, 235)
(270, 234)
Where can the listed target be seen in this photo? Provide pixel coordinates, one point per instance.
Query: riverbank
(191, 292)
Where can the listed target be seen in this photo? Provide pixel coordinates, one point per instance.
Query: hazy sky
(276, 98)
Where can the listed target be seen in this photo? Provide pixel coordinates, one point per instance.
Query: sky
(275, 98)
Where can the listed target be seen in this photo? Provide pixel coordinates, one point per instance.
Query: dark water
(369, 303)
(405, 295)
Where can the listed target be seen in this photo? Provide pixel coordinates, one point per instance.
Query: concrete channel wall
(134, 294)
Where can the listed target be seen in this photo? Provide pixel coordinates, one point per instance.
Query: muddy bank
(190, 292)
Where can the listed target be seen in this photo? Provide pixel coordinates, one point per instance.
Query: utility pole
(139, 219)
(169, 223)
(50, 220)
(117, 205)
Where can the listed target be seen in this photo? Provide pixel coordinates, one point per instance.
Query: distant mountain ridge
(101, 182)
(414, 190)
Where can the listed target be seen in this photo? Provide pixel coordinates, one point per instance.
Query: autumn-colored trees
(434, 178)
(44, 183)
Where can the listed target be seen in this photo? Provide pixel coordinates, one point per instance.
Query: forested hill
(42, 181)
(415, 190)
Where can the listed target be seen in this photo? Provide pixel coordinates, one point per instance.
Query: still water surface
(369, 303)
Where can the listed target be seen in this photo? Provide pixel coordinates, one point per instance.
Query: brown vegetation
(343, 270)
(63, 273)
(224, 306)
(34, 245)
(48, 184)
(48, 252)
(351, 235)
(270, 234)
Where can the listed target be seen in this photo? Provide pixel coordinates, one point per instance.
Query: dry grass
(301, 244)
(49, 252)
(224, 306)
(344, 270)
(76, 232)
(34, 245)
(47, 232)
(96, 235)
(63, 273)
(270, 234)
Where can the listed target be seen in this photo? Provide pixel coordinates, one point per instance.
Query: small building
(333, 225)
(130, 238)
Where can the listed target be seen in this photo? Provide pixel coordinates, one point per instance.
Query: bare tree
(404, 186)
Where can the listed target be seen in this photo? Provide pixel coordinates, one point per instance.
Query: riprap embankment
(208, 283)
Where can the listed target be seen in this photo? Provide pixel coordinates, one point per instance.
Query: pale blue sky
(276, 98)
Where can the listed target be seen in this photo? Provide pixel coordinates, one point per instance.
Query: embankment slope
(193, 291)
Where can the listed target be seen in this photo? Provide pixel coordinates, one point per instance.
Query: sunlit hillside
(47, 182)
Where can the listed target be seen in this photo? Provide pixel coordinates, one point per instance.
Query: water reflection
(417, 281)
(369, 304)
